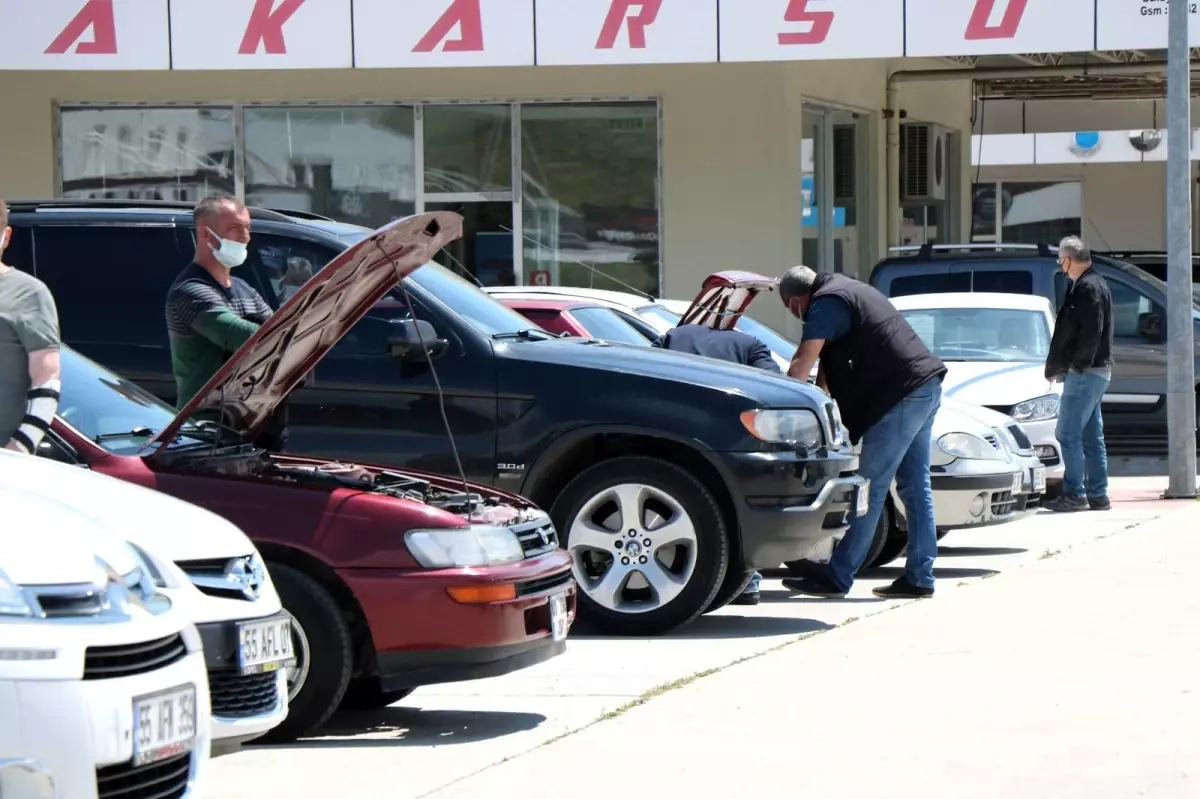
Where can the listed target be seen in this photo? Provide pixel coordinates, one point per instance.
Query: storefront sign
(443, 33)
(261, 34)
(995, 27)
(770, 30)
(1129, 25)
(84, 34)
(626, 31)
(334, 34)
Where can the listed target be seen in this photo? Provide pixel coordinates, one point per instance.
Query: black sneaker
(746, 599)
(1099, 503)
(814, 586)
(902, 589)
(1066, 504)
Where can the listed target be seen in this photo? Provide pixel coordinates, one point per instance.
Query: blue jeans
(897, 447)
(1080, 433)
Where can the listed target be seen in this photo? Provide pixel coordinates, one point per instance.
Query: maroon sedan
(394, 579)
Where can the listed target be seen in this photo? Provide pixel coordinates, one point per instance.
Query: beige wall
(732, 132)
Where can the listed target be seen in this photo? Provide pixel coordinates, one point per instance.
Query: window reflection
(1028, 212)
(352, 164)
(179, 154)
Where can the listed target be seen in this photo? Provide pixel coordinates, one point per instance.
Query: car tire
(367, 695)
(656, 494)
(330, 658)
(883, 530)
(735, 582)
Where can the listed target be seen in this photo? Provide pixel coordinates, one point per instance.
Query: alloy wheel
(633, 548)
(297, 673)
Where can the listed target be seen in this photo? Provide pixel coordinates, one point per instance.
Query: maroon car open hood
(724, 297)
(258, 377)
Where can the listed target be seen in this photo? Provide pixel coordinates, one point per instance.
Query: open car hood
(724, 297)
(258, 377)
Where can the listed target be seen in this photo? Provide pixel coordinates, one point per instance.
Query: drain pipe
(892, 112)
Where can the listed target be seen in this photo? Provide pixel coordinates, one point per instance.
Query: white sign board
(801, 30)
(999, 27)
(84, 34)
(626, 31)
(261, 34)
(443, 33)
(1139, 24)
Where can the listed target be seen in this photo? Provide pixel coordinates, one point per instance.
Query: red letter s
(821, 21)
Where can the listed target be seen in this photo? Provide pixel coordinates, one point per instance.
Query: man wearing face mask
(211, 313)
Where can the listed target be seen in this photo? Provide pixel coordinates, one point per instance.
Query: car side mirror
(411, 340)
(1150, 326)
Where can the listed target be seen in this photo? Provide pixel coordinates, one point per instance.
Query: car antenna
(412, 311)
(589, 267)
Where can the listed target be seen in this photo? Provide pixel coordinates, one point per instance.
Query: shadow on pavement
(790, 596)
(412, 726)
(971, 552)
(948, 573)
(717, 627)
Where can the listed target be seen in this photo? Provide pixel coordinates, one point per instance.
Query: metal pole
(1181, 373)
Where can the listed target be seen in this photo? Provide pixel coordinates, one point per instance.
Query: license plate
(1039, 479)
(862, 499)
(265, 645)
(559, 622)
(1018, 482)
(164, 724)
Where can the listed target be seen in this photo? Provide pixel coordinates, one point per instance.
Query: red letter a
(467, 16)
(978, 27)
(97, 15)
(266, 27)
(617, 12)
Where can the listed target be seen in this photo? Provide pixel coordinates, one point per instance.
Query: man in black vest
(888, 386)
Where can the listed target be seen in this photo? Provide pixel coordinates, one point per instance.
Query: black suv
(669, 477)
(1135, 408)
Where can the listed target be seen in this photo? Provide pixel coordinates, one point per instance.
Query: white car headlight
(793, 427)
(1038, 409)
(12, 599)
(966, 446)
(477, 545)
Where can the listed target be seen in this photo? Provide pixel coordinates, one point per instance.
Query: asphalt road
(441, 735)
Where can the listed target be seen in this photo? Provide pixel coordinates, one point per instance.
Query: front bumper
(438, 639)
(786, 504)
(972, 500)
(1042, 436)
(244, 707)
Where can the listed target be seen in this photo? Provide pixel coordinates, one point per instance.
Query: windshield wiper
(525, 335)
(137, 432)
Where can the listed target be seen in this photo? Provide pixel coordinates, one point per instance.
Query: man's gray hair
(211, 206)
(796, 282)
(1074, 248)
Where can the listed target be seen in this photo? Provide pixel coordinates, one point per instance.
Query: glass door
(466, 165)
(834, 187)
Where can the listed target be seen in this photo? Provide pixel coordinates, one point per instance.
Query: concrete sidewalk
(1077, 675)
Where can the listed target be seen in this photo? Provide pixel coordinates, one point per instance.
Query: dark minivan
(670, 478)
(1135, 407)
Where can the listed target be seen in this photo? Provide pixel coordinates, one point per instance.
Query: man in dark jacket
(1081, 357)
(725, 345)
(888, 386)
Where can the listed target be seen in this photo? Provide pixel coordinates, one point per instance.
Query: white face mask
(230, 254)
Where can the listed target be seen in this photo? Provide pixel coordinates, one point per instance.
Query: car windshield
(464, 298)
(982, 334)
(116, 414)
(658, 316)
(777, 344)
(606, 324)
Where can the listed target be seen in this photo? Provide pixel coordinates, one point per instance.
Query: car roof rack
(1122, 254)
(69, 204)
(927, 250)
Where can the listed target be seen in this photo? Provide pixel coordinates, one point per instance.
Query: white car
(210, 569)
(103, 687)
(995, 347)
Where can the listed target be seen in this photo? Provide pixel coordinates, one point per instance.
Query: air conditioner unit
(925, 163)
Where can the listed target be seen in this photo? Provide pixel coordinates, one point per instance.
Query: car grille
(127, 660)
(992, 439)
(1019, 436)
(70, 601)
(236, 697)
(537, 537)
(167, 779)
(1003, 503)
(543, 584)
(210, 577)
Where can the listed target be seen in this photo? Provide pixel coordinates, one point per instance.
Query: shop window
(591, 214)
(1026, 212)
(468, 148)
(178, 154)
(355, 165)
